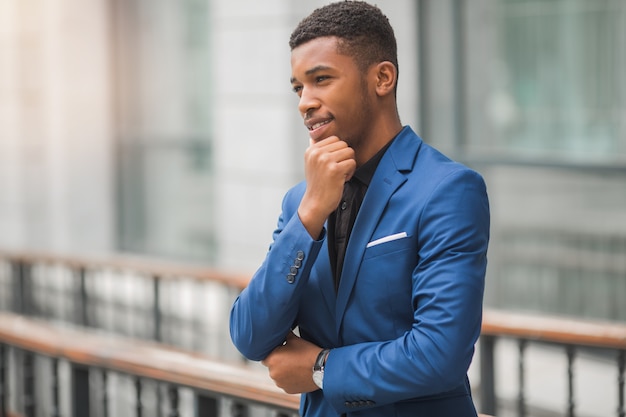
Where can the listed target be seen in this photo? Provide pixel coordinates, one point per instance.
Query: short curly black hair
(364, 32)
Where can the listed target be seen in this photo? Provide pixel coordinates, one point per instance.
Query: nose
(307, 102)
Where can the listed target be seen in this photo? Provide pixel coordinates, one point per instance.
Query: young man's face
(333, 91)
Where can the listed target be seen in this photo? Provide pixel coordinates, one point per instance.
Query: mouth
(317, 125)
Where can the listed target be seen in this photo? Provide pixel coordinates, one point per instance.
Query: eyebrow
(312, 71)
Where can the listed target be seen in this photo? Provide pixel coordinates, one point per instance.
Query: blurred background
(168, 128)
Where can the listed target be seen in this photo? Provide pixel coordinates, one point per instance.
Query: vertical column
(80, 391)
(11, 222)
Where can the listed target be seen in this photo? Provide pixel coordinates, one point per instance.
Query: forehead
(319, 52)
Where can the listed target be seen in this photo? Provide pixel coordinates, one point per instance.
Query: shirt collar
(365, 172)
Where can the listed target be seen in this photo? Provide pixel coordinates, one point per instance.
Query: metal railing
(186, 307)
(570, 335)
(93, 358)
(182, 305)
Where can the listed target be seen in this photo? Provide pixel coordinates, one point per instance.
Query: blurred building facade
(168, 128)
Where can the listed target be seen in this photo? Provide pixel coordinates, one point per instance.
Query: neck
(383, 133)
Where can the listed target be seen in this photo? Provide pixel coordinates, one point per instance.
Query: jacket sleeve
(433, 357)
(266, 309)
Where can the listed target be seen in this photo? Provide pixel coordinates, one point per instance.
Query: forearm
(266, 310)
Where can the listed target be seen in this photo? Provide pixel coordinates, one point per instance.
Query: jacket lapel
(325, 280)
(388, 177)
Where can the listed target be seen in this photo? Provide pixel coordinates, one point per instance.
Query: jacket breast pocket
(396, 243)
(384, 287)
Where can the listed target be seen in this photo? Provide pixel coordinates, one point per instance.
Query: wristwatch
(318, 368)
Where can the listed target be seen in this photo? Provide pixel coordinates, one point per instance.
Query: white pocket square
(386, 239)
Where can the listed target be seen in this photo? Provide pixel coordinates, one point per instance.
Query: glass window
(554, 83)
(162, 74)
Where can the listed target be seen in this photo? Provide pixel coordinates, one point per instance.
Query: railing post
(156, 307)
(22, 300)
(157, 317)
(29, 383)
(80, 391)
(521, 400)
(138, 403)
(487, 375)
(105, 394)
(56, 411)
(173, 394)
(239, 410)
(570, 380)
(4, 388)
(83, 310)
(621, 366)
(206, 406)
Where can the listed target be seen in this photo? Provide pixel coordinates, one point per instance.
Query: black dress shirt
(341, 221)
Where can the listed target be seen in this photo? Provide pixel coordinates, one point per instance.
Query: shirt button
(300, 255)
(291, 278)
(293, 270)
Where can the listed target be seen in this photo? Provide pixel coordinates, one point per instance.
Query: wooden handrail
(495, 322)
(554, 329)
(135, 263)
(168, 364)
(144, 359)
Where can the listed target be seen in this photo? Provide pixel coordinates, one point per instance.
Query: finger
(329, 143)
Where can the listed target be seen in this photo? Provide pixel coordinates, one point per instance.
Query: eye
(296, 88)
(321, 78)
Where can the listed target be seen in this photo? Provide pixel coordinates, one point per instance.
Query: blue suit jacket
(407, 313)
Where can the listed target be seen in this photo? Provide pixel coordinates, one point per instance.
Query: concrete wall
(55, 144)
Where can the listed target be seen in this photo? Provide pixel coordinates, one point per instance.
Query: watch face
(318, 378)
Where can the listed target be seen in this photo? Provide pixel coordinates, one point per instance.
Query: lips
(319, 124)
(316, 126)
(313, 124)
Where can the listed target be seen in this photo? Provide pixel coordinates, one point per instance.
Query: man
(379, 256)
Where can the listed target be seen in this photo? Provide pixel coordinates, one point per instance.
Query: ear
(386, 78)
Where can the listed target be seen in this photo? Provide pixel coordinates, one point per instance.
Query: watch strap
(320, 362)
